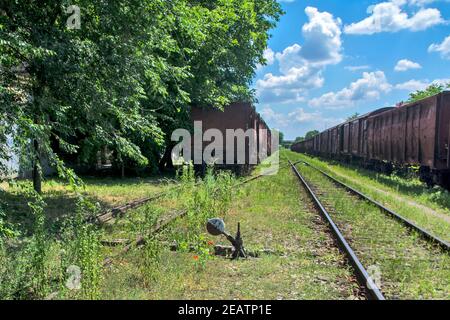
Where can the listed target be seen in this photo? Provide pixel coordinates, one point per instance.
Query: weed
(82, 249)
(151, 258)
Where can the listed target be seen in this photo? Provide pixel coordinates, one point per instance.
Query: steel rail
(363, 277)
(112, 213)
(140, 241)
(409, 224)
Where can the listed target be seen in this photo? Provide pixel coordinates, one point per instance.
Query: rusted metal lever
(216, 227)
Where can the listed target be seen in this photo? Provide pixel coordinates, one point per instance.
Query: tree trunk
(166, 161)
(37, 170)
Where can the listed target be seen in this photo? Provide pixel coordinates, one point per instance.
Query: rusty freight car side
(370, 139)
(413, 134)
(335, 141)
(355, 134)
(238, 115)
(324, 143)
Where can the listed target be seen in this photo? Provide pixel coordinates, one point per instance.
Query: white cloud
(289, 87)
(278, 120)
(405, 65)
(290, 58)
(390, 17)
(369, 87)
(301, 67)
(412, 85)
(296, 117)
(415, 85)
(356, 68)
(269, 55)
(301, 116)
(420, 3)
(322, 34)
(443, 48)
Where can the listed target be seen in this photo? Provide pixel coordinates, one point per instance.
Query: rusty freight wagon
(354, 135)
(342, 141)
(234, 117)
(416, 134)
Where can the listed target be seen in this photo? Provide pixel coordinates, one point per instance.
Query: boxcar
(324, 143)
(413, 134)
(237, 115)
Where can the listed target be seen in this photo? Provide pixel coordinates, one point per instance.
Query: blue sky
(328, 59)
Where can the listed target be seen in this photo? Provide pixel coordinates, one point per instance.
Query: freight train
(411, 135)
(236, 116)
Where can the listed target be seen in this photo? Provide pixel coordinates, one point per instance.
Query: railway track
(413, 264)
(363, 277)
(121, 210)
(409, 224)
(160, 225)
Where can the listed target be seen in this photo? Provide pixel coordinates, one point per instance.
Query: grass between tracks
(428, 208)
(37, 260)
(45, 242)
(407, 266)
(274, 215)
(54, 254)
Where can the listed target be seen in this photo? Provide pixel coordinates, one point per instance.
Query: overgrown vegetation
(70, 263)
(308, 265)
(405, 194)
(123, 81)
(409, 267)
(119, 84)
(432, 90)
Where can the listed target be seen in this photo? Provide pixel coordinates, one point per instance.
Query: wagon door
(412, 134)
(427, 132)
(376, 138)
(355, 137)
(386, 134)
(398, 135)
(345, 139)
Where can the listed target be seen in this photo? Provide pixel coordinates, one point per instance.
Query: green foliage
(82, 249)
(432, 90)
(281, 136)
(206, 198)
(311, 134)
(150, 260)
(353, 117)
(6, 229)
(120, 84)
(124, 82)
(203, 253)
(26, 272)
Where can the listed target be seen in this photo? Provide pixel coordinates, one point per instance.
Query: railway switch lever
(216, 227)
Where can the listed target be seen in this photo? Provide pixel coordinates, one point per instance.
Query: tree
(299, 139)
(126, 79)
(311, 134)
(281, 135)
(428, 92)
(353, 117)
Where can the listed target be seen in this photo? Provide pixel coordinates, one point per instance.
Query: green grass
(410, 267)
(408, 197)
(61, 201)
(273, 214)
